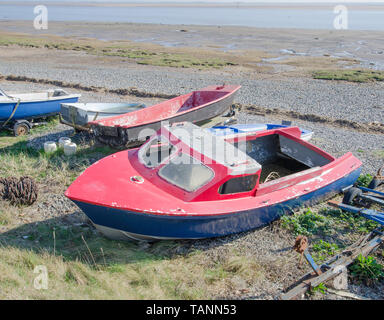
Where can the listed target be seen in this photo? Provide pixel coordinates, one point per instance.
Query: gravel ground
(337, 100)
(336, 141)
(271, 245)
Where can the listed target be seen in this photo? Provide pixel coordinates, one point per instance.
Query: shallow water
(306, 18)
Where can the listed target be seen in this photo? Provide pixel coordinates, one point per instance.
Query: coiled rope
(21, 191)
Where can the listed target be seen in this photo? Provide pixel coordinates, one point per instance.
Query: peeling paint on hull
(123, 224)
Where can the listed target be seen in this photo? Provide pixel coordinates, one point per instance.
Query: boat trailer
(364, 197)
(335, 266)
(20, 127)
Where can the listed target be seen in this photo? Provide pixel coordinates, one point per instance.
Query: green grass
(348, 221)
(349, 75)
(321, 288)
(323, 250)
(364, 180)
(367, 270)
(307, 223)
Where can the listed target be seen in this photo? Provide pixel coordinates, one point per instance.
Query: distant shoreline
(296, 6)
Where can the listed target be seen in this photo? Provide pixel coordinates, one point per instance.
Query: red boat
(187, 183)
(133, 128)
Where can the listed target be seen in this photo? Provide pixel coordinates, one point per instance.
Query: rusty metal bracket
(378, 174)
(301, 246)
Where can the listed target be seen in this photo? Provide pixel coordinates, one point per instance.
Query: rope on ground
(21, 191)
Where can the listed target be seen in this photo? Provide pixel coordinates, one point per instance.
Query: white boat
(78, 115)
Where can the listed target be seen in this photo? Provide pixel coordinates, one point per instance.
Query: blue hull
(30, 110)
(194, 227)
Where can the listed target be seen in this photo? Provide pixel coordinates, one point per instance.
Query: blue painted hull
(155, 226)
(30, 110)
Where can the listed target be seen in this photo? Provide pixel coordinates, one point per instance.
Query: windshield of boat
(156, 151)
(186, 173)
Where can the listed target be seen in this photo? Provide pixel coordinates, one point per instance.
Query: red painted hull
(108, 183)
(113, 199)
(134, 128)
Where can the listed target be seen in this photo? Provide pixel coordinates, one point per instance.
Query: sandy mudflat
(365, 46)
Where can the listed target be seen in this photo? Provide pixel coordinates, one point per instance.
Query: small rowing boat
(134, 128)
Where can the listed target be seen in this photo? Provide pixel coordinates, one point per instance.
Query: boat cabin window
(156, 151)
(186, 173)
(239, 184)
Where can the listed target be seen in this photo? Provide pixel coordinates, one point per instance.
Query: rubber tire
(23, 126)
(375, 183)
(351, 194)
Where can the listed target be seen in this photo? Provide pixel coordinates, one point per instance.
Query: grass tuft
(349, 75)
(146, 56)
(307, 223)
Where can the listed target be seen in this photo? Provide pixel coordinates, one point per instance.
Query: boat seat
(287, 181)
(59, 93)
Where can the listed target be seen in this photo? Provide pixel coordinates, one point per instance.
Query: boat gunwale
(80, 105)
(49, 99)
(326, 169)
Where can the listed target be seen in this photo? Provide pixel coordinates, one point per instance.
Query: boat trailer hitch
(301, 246)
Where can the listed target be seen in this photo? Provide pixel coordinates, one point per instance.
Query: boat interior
(280, 156)
(198, 98)
(109, 108)
(35, 96)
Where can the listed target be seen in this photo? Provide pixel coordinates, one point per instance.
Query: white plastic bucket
(70, 148)
(63, 141)
(50, 146)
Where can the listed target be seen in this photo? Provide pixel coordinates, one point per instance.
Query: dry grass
(81, 263)
(142, 275)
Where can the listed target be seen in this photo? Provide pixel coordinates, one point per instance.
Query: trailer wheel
(375, 183)
(351, 195)
(21, 129)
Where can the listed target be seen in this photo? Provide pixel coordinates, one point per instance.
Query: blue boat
(18, 111)
(306, 135)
